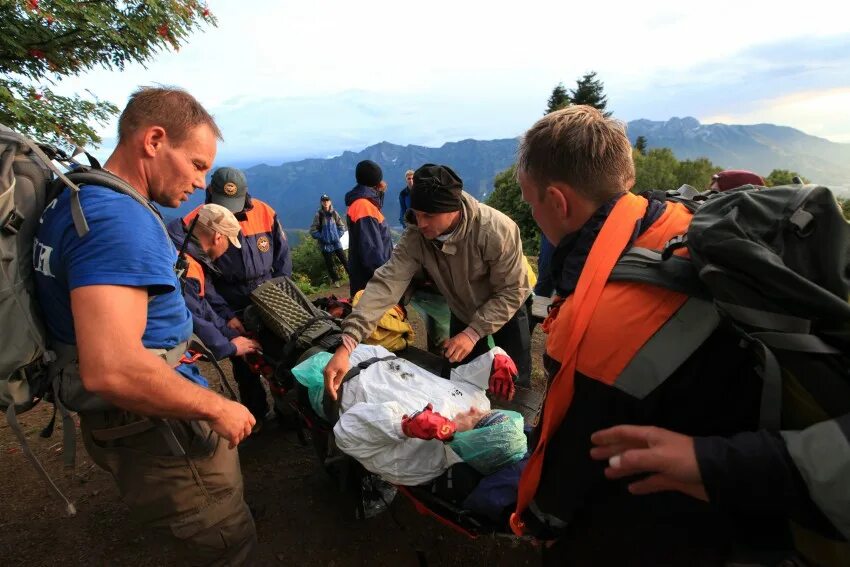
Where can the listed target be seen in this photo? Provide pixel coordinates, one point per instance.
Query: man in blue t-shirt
(113, 294)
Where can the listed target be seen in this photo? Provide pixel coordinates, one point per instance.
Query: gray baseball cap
(228, 188)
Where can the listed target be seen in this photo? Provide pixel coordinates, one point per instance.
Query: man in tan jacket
(473, 254)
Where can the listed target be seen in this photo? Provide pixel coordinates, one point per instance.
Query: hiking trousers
(513, 337)
(329, 262)
(197, 498)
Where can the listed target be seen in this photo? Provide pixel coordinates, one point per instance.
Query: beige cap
(221, 220)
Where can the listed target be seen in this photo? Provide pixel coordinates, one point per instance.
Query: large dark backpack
(775, 265)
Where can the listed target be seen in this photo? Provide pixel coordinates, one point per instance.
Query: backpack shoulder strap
(103, 178)
(675, 273)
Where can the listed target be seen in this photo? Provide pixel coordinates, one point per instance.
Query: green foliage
(42, 42)
(308, 264)
(845, 207)
(304, 284)
(589, 91)
(507, 198)
(640, 145)
(558, 100)
(659, 169)
(782, 177)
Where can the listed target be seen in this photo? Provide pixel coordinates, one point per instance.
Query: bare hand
(335, 371)
(244, 345)
(669, 458)
(458, 347)
(236, 325)
(233, 423)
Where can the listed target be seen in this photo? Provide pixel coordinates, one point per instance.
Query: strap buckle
(13, 223)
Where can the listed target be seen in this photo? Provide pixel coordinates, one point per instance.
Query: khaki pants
(198, 497)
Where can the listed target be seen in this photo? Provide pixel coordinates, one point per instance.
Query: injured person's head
(495, 440)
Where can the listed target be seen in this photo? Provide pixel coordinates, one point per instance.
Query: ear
(556, 200)
(154, 139)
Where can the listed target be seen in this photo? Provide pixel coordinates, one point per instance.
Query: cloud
(313, 78)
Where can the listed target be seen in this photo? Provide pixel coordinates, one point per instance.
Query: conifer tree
(558, 100)
(589, 91)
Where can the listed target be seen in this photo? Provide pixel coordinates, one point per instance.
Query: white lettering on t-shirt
(51, 205)
(41, 258)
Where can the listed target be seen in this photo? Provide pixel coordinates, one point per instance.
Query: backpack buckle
(674, 244)
(13, 223)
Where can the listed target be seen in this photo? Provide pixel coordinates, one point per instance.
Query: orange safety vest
(196, 272)
(586, 331)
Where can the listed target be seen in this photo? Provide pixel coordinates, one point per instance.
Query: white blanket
(374, 402)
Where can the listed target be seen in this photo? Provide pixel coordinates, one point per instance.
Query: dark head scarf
(436, 189)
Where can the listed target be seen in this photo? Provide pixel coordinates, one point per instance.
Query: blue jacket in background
(545, 282)
(369, 242)
(264, 255)
(327, 228)
(403, 204)
(211, 328)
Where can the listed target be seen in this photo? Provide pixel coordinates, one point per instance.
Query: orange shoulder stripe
(362, 208)
(187, 220)
(196, 272)
(258, 220)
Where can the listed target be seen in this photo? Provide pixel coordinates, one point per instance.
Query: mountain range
(294, 188)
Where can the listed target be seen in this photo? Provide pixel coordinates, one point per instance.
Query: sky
(288, 80)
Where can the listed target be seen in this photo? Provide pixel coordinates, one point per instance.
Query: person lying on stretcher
(383, 425)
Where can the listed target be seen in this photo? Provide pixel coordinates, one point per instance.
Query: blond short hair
(408, 172)
(578, 146)
(173, 109)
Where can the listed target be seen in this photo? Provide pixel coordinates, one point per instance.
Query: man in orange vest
(614, 354)
(264, 255)
(214, 232)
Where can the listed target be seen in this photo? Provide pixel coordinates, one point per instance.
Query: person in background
(404, 198)
(369, 241)
(732, 178)
(327, 228)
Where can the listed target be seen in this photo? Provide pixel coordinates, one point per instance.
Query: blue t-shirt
(126, 245)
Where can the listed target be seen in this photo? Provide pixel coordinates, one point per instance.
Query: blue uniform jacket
(369, 242)
(206, 323)
(264, 255)
(403, 204)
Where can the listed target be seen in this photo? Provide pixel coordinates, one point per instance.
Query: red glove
(428, 424)
(502, 377)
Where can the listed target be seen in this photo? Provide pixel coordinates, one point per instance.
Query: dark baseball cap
(325, 198)
(228, 188)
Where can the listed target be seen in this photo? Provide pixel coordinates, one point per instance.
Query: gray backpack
(29, 181)
(26, 187)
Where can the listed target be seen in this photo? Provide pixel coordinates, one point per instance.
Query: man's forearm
(147, 385)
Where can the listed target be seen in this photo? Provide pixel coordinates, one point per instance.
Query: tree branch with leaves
(42, 42)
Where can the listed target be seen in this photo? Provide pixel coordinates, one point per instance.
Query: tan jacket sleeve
(508, 277)
(384, 289)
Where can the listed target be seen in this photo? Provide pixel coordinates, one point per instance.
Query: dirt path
(301, 518)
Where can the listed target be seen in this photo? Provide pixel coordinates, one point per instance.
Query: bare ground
(301, 517)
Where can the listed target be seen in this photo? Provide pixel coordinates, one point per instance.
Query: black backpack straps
(331, 407)
(675, 273)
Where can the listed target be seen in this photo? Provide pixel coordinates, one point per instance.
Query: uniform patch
(230, 189)
(263, 244)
